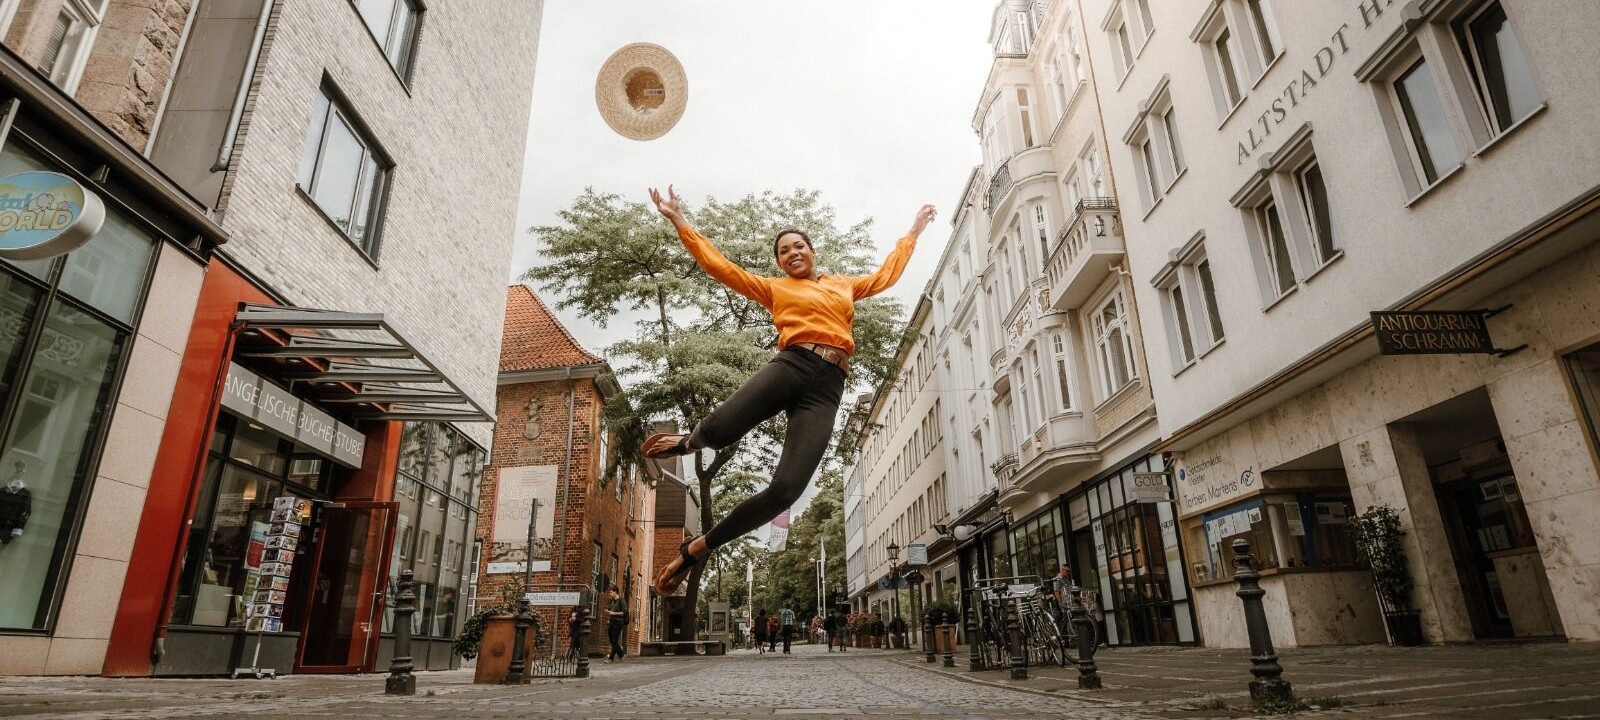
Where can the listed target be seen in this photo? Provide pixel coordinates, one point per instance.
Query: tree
(699, 340)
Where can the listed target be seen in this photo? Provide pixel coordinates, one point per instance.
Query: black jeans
(788, 633)
(614, 632)
(806, 388)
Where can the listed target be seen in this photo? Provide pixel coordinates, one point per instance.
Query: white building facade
(1285, 173)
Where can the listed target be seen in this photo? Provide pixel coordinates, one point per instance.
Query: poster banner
(517, 489)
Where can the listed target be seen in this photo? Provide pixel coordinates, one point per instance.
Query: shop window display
(60, 356)
(435, 489)
(1287, 531)
(1137, 563)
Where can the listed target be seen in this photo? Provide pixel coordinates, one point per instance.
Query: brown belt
(835, 355)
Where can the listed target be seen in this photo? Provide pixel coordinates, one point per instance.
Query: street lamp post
(894, 581)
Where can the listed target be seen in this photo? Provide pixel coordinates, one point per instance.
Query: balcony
(1053, 454)
(997, 362)
(999, 184)
(1005, 470)
(1089, 245)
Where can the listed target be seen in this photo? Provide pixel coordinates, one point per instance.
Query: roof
(534, 339)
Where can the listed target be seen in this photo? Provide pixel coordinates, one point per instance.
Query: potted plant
(878, 630)
(495, 625)
(897, 632)
(1380, 548)
(859, 627)
(945, 617)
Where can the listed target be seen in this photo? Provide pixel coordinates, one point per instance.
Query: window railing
(999, 184)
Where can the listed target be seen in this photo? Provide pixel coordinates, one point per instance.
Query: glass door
(340, 634)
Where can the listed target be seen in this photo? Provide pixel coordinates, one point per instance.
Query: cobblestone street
(809, 683)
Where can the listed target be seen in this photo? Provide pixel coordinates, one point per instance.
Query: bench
(656, 648)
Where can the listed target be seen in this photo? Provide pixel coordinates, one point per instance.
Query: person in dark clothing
(574, 634)
(830, 626)
(760, 631)
(773, 629)
(616, 622)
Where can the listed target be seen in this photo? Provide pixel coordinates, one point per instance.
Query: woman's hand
(667, 207)
(924, 216)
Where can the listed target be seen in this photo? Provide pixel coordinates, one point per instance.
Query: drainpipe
(566, 475)
(225, 153)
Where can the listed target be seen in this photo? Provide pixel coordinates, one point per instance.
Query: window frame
(1467, 46)
(1195, 328)
(1101, 334)
(307, 180)
(418, 9)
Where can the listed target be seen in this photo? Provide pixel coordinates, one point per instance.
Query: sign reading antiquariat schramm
(1422, 332)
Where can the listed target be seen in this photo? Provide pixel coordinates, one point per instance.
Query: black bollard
(583, 651)
(400, 680)
(1084, 629)
(927, 636)
(974, 658)
(517, 673)
(1012, 631)
(1268, 685)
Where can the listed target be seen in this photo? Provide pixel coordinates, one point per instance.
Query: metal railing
(1091, 217)
(999, 184)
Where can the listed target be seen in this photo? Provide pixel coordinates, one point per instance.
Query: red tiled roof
(534, 339)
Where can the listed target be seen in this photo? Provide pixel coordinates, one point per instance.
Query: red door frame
(376, 578)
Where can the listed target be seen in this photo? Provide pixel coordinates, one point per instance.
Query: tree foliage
(698, 340)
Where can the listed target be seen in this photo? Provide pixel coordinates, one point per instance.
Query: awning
(351, 360)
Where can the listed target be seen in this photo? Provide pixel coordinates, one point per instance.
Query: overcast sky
(868, 103)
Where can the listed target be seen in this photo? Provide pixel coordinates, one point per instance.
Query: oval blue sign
(45, 214)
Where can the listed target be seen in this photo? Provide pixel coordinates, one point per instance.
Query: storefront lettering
(1301, 85)
(44, 214)
(251, 397)
(1432, 331)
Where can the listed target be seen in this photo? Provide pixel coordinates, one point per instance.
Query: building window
(1090, 162)
(1116, 28)
(1062, 381)
(1156, 147)
(1266, 29)
(1041, 230)
(1269, 232)
(1227, 69)
(344, 173)
(436, 479)
(66, 47)
(1433, 148)
(1025, 111)
(1113, 345)
(394, 25)
(1505, 83)
(1314, 198)
(1194, 323)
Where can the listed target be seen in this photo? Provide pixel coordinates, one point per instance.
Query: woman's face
(795, 256)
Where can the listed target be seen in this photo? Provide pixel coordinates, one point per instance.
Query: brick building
(550, 440)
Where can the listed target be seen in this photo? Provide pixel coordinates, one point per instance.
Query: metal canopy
(329, 353)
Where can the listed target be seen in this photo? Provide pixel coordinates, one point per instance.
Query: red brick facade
(538, 407)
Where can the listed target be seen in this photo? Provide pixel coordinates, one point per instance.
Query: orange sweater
(805, 311)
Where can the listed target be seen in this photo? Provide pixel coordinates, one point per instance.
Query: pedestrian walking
(814, 313)
(772, 633)
(830, 625)
(760, 631)
(616, 622)
(788, 628)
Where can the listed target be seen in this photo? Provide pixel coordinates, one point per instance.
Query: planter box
(494, 653)
(944, 637)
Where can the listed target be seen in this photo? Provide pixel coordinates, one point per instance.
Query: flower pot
(1405, 628)
(945, 638)
(494, 655)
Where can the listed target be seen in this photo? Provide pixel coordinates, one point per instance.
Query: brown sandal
(679, 448)
(671, 577)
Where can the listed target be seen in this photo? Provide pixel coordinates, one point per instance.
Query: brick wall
(592, 512)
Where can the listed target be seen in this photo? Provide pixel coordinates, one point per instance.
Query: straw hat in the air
(641, 91)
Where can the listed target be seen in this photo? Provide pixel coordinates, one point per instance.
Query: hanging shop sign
(45, 214)
(916, 554)
(251, 397)
(1151, 488)
(1436, 332)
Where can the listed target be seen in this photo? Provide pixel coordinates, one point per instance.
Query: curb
(967, 677)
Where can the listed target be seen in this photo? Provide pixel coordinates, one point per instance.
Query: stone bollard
(583, 651)
(927, 636)
(974, 658)
(1269, 685)
(400, 680)
(1083, 630)
(1011, 630)
(517, 673)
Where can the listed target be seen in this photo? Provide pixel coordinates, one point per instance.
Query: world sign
(45, 214)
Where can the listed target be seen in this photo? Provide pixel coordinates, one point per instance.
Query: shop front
(313, 463)
(1122, 544)
(99, 253)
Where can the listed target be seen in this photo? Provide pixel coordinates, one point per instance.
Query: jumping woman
(814, 313)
